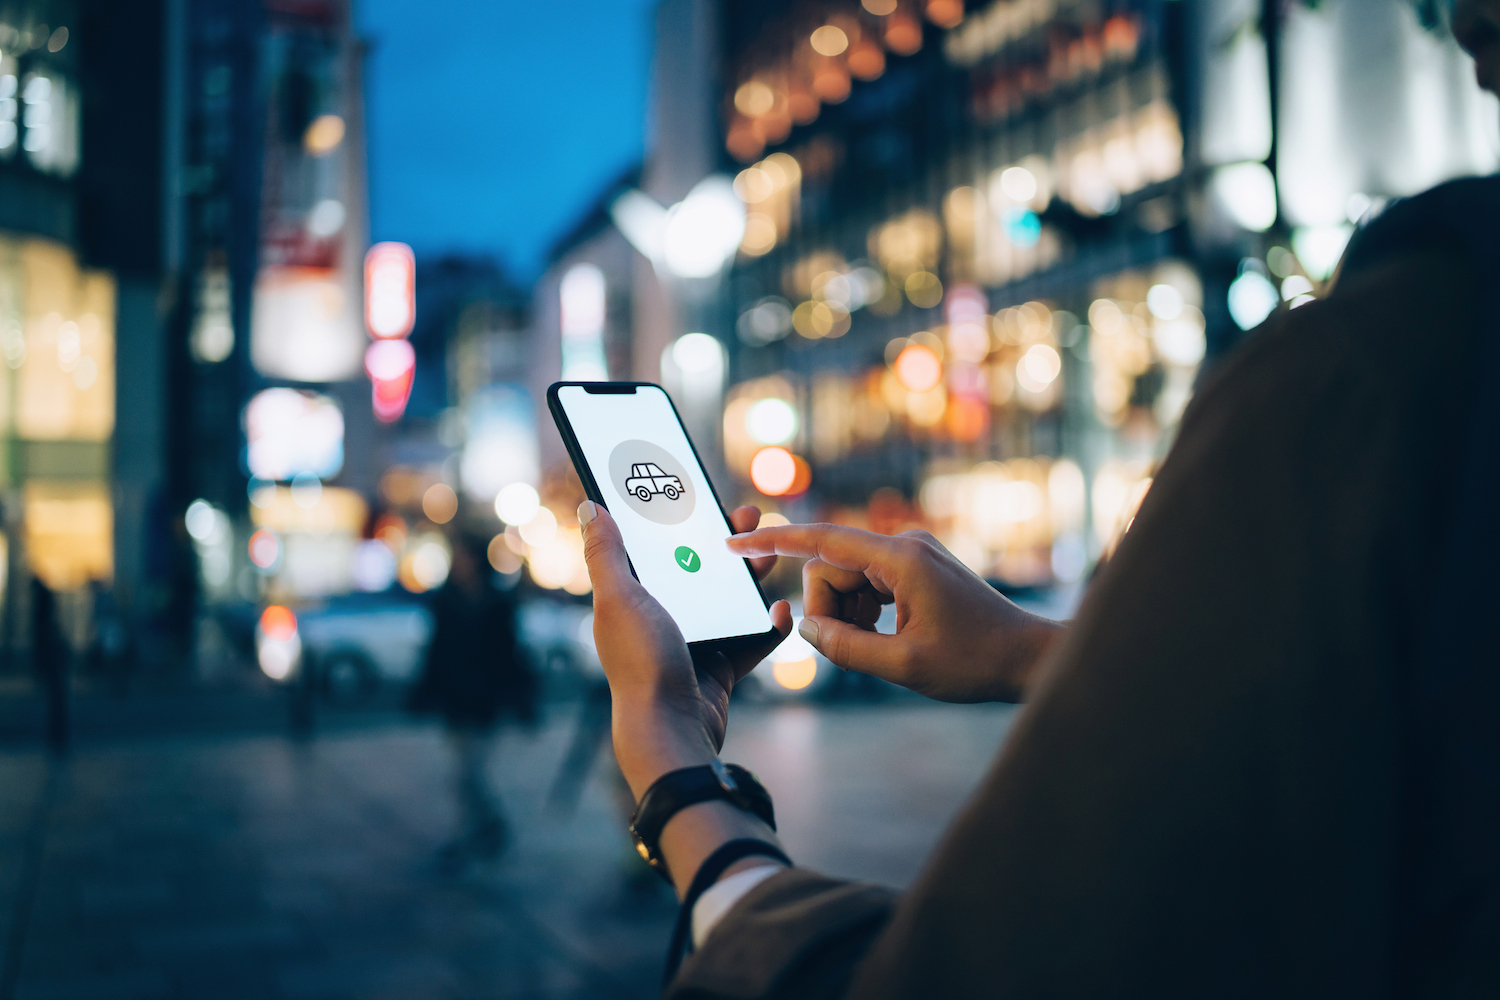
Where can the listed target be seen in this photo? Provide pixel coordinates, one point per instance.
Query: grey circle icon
(653, 483)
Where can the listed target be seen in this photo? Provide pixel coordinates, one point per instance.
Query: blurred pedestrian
(475, 673)
(1261, 762)
(51, 659)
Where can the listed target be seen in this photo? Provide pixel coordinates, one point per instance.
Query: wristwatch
(676, 790)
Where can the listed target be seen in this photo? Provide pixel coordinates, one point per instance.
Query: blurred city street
(261, 866)
(288, 527)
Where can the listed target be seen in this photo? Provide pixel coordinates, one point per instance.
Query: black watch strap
(676, 790)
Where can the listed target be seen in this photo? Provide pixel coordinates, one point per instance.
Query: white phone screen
(674, 532)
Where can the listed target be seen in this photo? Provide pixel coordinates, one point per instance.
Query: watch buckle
(725, 779)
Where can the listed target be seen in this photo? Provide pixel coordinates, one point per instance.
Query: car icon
(647, 480)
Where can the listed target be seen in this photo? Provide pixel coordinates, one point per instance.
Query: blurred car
(559, 637)
(357, 643)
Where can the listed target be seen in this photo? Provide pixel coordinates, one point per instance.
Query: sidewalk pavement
(257, 866)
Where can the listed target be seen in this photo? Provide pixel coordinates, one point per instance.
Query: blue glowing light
(1021, 226)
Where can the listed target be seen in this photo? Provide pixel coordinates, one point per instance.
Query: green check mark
(688, 559)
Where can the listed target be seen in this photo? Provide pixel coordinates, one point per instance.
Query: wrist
(652, 739)
(697, 831)
(1028, 645)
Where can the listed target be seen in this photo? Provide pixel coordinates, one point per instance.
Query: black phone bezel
(591, 488)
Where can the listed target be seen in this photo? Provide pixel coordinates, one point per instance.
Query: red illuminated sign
(391, 364)
(390, 290)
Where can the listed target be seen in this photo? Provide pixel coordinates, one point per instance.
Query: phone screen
(649, 478)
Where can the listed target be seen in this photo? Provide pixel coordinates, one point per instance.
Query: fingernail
(586, 513)
(808, 629)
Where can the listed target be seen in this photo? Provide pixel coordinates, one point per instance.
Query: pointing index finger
(846, 548)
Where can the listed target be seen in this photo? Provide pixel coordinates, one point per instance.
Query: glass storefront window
(65, 384)
(57, 404)
(49, 122)
(10, 107)
(69, 532)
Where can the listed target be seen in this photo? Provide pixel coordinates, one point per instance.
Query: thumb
(852, 648)
(604, 550)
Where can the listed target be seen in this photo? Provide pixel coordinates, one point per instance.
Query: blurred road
(256, 866)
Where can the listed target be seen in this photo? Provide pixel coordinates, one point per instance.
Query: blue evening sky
(494, 123)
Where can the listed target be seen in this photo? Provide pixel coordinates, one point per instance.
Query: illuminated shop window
(60, 339)
(69, 532)
(291, 433)
(302, 325)
(582, 295)
(49, 122)
(10, 108)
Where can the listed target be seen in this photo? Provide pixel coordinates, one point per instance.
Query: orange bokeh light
(802, 480)
(278, 623)
(794, 675)
(903, 35)
(773, 471)
(866, 60)
(918, 368)
(440, 503)
(967, 418)
(945, 13)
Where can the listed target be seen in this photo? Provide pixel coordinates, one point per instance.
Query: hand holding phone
(635, 459)
(670, 707)
(642, 649)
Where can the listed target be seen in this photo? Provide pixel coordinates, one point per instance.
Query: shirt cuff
(719, 898)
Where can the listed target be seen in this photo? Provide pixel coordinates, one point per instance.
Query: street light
(694, 238)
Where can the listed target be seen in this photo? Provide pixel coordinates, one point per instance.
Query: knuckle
(910, 549)
(837, 649)
(595, 547)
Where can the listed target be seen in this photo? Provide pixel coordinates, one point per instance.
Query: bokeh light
(500, 556)
(794, 663)
(374, 567)
(924, 289)
(1252, 298)
(264, 549)
(440, 503)
(1165, 301)
(323, 135)
(772, 421)
(773, 471)
(278, 622)
(754, 98)
(558, 564)
(1018, 183)
(540, 529)
(1038, 367)
(829, 40)
(517, 503)
(430, 564)
(918, 368)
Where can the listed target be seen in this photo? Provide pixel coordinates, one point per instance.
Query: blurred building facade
(169, 252)
(990, 246)
(84, 260)
(611, 304)
(273, 440)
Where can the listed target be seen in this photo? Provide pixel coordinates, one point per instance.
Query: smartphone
(634, 456)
